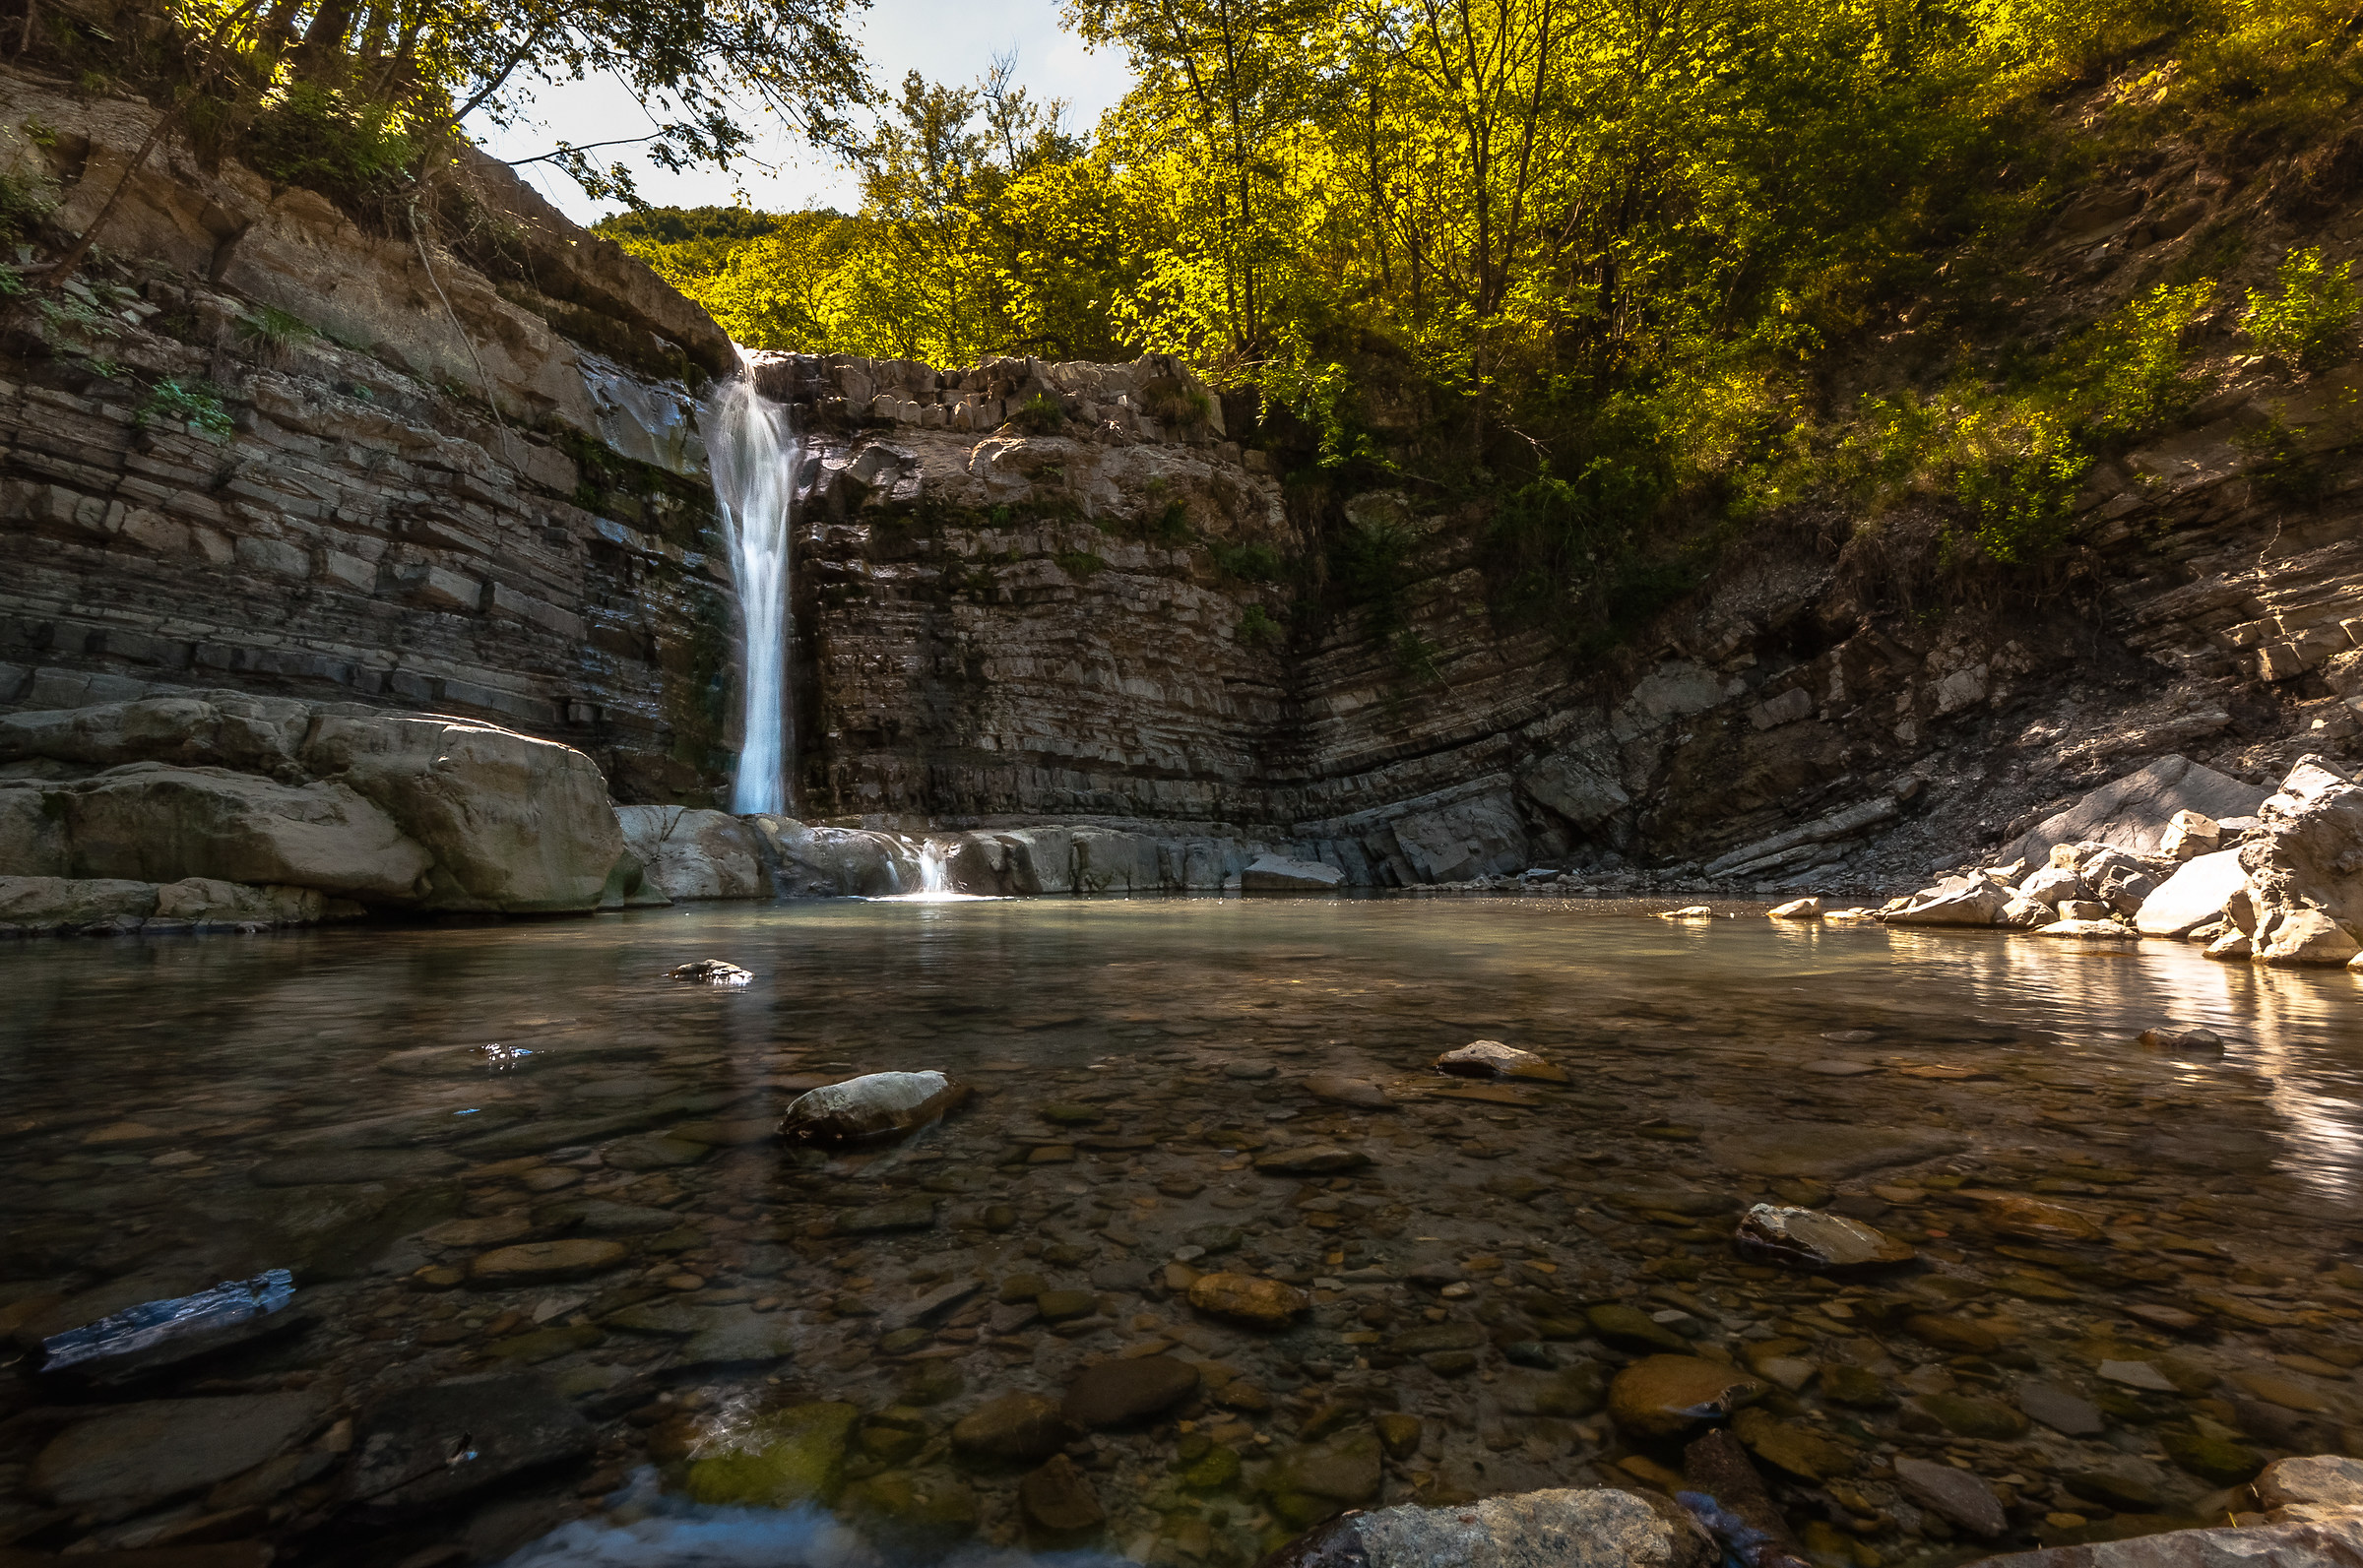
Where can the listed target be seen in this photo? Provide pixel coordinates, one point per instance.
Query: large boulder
(1277, 873)
(836, 862)
(50, 903)
(2134, 812)
(389, 810)
(1956, 900)
(691, 854)
(2305, 871)
(1559, 1529)
(2200, 894)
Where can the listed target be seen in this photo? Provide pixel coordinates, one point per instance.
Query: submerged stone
(1665, 1396)
(1058, 1499)
(421, 1448)
(1807, 1238)
(871, 1107)
(1123, 1392)
(1013, 1429)
(533, 1261)
(779, 1458)
(710, 971)
(1248, 1298)
(136, 1455)
(1954, 1494)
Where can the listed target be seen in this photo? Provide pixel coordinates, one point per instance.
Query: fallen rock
(1956, 1494)
(1956, 900)
(1490, 1058)
(2311, 1543)
(2053, 884)
(2135, 811)
(871, 1108)
(709, 972)
(2302, 870)
(2189, 834)
(1665, 1396)
(1808, 908)
(1277, 873)
(421, 1448)
(2024, 914)
(687, 853)
(1809, 1238)
(1248, 1298)
(1560, 1529)
(2199, 892)
(133, 1455)
(2304, 937)
(1123, 1392)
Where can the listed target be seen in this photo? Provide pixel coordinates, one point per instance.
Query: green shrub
(1169, 527)
(2021, 487)
(1079, 563)
(1041, 414)
(1257, 628)
(2278, 466)
(195, 403)
(330, 141)
(23, 204)
(1246, 563)
(2312, 318)
(1577, 555)
(2133, 360)
(272, 331)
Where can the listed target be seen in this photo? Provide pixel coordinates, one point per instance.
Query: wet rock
(1124, 1392)
(2199, 893)
(1688, 911)
(2064, 1412)
(2217, 1461)
(1732, 1505)
(1630, 1328)
(532, 1262)
(420, 1449)
(1792, 1449)
(1959, 1335)
(1956, 900)
(1322, 1159)
(2116, 1489)
(2134, 812)
(908, 1213)
(2093, 927)
(470, 1234)
(2323, 1543)
(871, 1108)
(133, 1455)
(652, 1152)
(1311, 1482)
(1965, 1416)
(1058, 1499)
(1277, 873)
(710, 971)
(1248, 1298)
(1665, 1396)
(1807, 1238)
(1399, 1434)
(1831, 1149)
(1807, 908)
(1014, 1429)
(352, 1168)
(1846, 1384)
(1490, 1058)
(2032, 1220)
(1560, 1529)
(2137, 1374)
(777, 1460)
(685, 853)
(1341, 1089)
(1954, 1495)
(597, 1217)
(2323, 1481)
(739, 1339)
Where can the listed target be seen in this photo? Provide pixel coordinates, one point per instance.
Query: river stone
(673, 1319)
(598, 1217)
(2330, 1481)
(1989, 1420)
(874, 1106)
(2308, 1544)
(2137, 1374)
(1013, 1429)
(2064, 1412)
(707, 972)
(1792, 1449)
(1430, 1338)
(739, 1337)
(1664, 1395)
(1058, 1499)
(1825, 1149)
(1947, 1332)
(473, 1233)
(351, 1168)
(2219, 1462)
(652, 1152)
(1340, 1088)
(1120, 1393)
(532, 1262)
(1317, 1480)
(779, 1458)
(1807, 1238)
(1631, 1328)
(1846, 1384)
(508, 1424)
(130, 1456)
(1557, 1529)
(1956, 1494)
(909, 1214)
(1248, 1298)
(1490, 1058)
(1322, 1159)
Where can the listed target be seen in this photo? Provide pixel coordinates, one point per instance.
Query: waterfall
(933, 880)
(752, 452)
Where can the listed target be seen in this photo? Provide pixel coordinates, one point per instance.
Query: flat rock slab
(136, 1455)
(1560, 1529)
(1827, 1149)
(351, 1168)
(506, 1426)
(1340, 1088)
(1956, 1495)
(2329, 1543)
(534, 1261)
(1122, 1393)
(741, 1337)
(2064, 1412)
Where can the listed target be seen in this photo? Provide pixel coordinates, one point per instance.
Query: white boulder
(2195, 894)
(1277, 873)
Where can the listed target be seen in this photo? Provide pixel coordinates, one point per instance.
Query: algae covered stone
(1248, 1298)
(779, 1458)
(1664, 1395)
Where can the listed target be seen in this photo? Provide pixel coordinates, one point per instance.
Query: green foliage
(195, 403)
(1578, 557)
(2311, 316)
(1079, 563)
(1370, 564)
(334, 141)
(1169, 527)
(273, 330)
(2279, 465)
(1257, 628)
(1246, 563)
(2020, 484)
(1041, 414)
(24, 204)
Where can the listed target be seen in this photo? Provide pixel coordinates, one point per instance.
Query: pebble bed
(1211, 1252)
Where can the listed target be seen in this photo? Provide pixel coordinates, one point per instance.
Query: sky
(945, 41)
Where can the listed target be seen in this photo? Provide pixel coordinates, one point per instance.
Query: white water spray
(934, 879)
(752, 452)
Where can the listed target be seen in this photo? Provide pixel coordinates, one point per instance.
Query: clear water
(751, 453)
(1133, 1059)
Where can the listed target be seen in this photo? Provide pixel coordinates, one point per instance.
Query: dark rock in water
(934, 1304)
(1311, 1482)
(909, 1214)
(1989, 1420)
(871, 1107)
(711, 972)
(1248, 1298)
(1956, 1495)
(351, 1168)
(421, 1448)
(2200, 1042)
(1809, 1238)
(134, 1455)
(1566, 1529)
(1013, 1429)
(1431, 1337)
(778, 1460)
(2311, 1543)
(1319, 1161)
(2064, 1412)
(1058, 1500)
(1343, 1088)
(1845, 1384)
(1728, 1499)
(1827, 1149)
(158, 1333)
(1630, 1328)
(2216, 1461)
(1123, 1392)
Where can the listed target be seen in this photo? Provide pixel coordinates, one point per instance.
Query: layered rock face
(227, 809)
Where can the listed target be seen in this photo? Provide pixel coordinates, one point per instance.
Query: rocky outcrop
(686, 854)
(234, 809)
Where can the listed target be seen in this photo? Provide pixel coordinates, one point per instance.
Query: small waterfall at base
(752, 452)
(933, 880)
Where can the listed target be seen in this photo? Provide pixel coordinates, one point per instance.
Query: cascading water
(934, 879)
(752, 452)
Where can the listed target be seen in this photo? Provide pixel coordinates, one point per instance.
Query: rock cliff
(264, 446)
